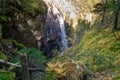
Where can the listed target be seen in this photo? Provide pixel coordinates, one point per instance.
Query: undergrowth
(99, 52)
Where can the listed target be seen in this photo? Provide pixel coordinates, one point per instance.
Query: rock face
(26, 29)
(26, 23)
(54, 37)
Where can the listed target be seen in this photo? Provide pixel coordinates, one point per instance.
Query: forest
(59, 39)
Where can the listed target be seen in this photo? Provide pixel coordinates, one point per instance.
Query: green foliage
(51, 75)
(115, 46)
(35, 55)
(15, 46)
(15, 60)
(15, 43)
(112, 5)
(3, 18)
(101, 50)
(2, 56)
(7, 76)
(98, 51)
(19, 45)
(96, 62)
(116, 78)
(27, 6)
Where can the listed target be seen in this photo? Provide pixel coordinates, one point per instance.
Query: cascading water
(54, 37)
(64, 44)
(56, 12)
(63, 32)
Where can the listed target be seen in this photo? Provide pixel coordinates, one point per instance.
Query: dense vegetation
(10, 49)
(95, 54)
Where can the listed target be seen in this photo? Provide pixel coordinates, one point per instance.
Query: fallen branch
(36, 69)
(9, 63)
(3, 62)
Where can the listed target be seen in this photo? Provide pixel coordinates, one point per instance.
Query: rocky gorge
(59, 40)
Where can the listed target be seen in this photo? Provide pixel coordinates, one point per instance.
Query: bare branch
(3, 62)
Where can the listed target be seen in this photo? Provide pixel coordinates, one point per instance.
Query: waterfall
(55, 11)
(63, 32)
(54, 35)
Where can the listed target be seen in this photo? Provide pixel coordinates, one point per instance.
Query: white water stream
(63, 32)
(56, 12)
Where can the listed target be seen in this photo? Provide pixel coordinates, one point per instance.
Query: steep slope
(21, 21)
(23, 18)
(97, 56)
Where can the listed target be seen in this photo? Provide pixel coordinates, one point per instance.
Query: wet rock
(54, 36)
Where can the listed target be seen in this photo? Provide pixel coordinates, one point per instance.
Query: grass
(99, 51)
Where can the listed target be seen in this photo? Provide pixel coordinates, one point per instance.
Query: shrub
(35, 55)
(7, 76)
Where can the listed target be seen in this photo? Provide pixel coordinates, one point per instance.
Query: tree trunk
(104, 11)
(116, 16)
(25, 71)
(3, 3)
